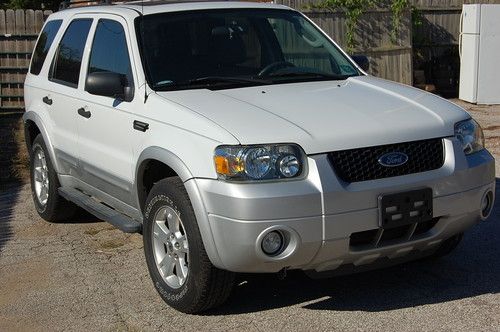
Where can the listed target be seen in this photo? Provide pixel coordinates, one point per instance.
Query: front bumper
(321, 213)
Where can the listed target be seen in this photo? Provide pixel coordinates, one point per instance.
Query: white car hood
(325, 116)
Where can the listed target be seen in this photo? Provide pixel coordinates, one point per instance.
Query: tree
(31, 4)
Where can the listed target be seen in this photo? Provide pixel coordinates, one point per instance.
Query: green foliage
(352, 9)
(397, 8)
(31, 4)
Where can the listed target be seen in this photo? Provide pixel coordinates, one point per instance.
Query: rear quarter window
(43, 45)
(67, 62)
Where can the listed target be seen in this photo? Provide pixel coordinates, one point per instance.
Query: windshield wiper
(223, 79)
(306, 74)
(211, 80)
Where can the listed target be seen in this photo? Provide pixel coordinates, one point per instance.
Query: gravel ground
(86, 275)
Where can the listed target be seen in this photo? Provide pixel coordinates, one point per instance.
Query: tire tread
(214, 284)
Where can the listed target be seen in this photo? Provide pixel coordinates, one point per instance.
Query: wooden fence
(436, 42)
(389, 60)
(18, 32)
(428, 42)
(431, 46)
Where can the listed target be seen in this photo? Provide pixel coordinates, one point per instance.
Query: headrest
(227, 46)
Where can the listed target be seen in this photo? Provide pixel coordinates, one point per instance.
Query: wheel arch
(155, 156)
(33, 125)
(174, 166)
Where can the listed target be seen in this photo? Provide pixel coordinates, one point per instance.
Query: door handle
(47, 100)
(83, 112)
(141, 126)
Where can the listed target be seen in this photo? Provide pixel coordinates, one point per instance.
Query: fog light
(486, 204)
(272, 243)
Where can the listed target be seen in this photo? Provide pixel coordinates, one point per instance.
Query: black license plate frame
(405, 208)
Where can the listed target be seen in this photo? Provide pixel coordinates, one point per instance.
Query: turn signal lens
(227, 166)
(221, 165)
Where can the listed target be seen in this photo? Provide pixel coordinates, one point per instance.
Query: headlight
(259, 162)
(470, 134)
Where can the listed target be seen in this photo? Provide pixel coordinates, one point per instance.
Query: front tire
(177, 261)
(44, 185)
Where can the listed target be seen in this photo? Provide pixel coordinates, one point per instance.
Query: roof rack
(65, 4)
(84, 3)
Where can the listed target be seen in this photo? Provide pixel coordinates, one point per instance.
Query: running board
(101, 211)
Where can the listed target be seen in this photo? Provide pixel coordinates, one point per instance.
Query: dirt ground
(86, 275)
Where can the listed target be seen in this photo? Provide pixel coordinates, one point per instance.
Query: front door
(105, 124)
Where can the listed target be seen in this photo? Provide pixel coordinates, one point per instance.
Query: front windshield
(236, 47)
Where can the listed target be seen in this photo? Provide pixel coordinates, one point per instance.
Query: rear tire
(177, 261)
(44, 185)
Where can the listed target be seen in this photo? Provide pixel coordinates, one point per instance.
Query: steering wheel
(273, 67)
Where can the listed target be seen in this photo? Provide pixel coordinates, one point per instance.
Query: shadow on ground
(9, 180)
(8, 198)
(472, 269)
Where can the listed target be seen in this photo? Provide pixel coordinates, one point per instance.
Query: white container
(479, 54)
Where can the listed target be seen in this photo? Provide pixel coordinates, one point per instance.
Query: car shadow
(8, 198)
(10, 182)
(472, 269)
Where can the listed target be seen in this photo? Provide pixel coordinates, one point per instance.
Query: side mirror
(362, 61)
(110, 85)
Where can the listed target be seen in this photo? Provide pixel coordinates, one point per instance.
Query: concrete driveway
(85, 275)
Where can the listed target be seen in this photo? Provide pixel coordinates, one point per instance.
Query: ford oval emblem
(393, 159)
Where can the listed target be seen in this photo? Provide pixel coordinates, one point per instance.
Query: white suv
(238, 137)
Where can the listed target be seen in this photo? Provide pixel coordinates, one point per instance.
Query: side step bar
(101, 211)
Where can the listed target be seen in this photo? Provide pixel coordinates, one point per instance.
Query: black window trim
(132, 85)
(51, 69)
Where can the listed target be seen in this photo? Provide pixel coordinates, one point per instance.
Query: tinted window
(309, 51)
(43, 45)
(68, 60)
(109, 50)
(181, 50)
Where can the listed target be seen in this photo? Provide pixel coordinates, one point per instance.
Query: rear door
(63, 91)
(106, 133)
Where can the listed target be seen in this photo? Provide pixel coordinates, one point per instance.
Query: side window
(68, 59)
(43, 45)
(109, 50)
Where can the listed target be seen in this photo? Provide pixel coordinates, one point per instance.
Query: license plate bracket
(405, 208)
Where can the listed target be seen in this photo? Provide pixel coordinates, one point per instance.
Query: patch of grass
(14, 160)
(112, 243)
(20, 160)
(93, 231)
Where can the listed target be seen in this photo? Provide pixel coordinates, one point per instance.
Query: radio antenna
(143, 53)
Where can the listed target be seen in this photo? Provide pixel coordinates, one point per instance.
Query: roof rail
(84, 3)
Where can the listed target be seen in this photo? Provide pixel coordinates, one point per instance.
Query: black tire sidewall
(184, 297)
